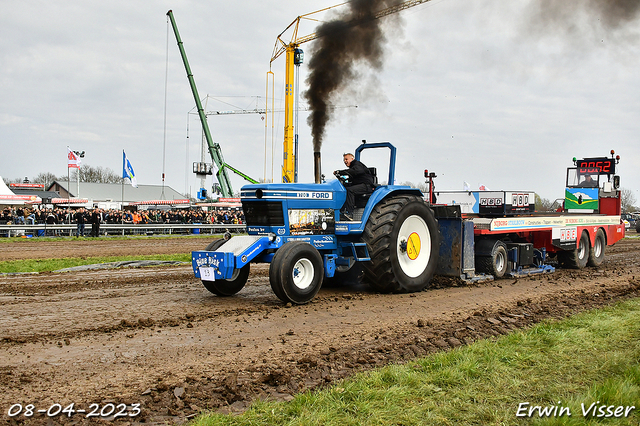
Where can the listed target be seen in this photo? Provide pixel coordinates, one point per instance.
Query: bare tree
(45, 179)
(421, 186)
(544, 204)
(7, 181)
(628, 200)
(96, 174)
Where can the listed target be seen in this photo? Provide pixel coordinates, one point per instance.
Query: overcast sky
(482, 91)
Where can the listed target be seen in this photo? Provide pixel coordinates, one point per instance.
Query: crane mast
(214, 148)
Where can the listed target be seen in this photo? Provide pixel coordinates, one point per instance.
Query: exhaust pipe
(317, 167)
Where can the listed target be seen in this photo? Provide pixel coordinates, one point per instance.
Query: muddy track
(155, 336)
(47, 249)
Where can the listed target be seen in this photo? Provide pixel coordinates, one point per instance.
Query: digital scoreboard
(600, 166)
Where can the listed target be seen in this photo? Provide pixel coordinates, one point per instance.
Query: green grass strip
(587, 358)
(46, 265)
(34, 240)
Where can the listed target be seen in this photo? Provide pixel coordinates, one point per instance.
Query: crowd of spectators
(31, 216)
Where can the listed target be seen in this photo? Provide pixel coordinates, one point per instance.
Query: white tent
(7, 197)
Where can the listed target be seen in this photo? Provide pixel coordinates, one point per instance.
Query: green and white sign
(581, 199)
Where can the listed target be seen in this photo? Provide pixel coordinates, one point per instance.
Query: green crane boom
(214, 148)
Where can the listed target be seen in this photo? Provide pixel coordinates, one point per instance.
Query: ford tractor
(392, 240)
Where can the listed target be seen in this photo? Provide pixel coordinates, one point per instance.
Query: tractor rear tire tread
(379, 272)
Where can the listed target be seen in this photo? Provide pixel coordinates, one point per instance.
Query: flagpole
(68, 185)
(122, 203)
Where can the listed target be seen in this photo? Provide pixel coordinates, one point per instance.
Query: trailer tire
(578, 257)
(296, 272)
(596, 253)
(496, 263)
(403, 242)
(232, 285)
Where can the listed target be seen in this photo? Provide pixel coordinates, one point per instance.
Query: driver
(360, 181)
(588, 182)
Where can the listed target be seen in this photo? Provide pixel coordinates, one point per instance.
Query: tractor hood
(292, 209)
(298, 195)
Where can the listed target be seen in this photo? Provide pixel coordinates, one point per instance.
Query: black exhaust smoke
(354, 38)
(612, 14)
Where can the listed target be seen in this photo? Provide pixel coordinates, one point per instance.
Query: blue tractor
(392, 242)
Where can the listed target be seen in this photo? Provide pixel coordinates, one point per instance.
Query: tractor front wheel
(296, 272)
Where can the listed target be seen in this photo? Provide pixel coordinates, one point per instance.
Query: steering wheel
(342, 179)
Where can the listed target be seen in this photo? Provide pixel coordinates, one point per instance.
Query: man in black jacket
(96, 218)
(80, 221)
(360, 181)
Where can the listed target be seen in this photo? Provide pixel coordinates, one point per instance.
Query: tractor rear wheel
(576, 258)
(296, 272)
(403, 242)
(596, 253)
(232, 285)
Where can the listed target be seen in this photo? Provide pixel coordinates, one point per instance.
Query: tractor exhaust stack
(317, 167)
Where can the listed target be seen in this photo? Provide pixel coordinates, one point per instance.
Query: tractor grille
(263, 213)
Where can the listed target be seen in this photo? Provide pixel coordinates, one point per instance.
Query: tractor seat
(374, 173)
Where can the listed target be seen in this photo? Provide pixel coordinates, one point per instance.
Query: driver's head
(347, 158)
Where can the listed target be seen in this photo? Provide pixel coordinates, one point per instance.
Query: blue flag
(127, 171)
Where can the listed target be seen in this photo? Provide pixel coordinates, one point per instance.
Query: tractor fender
(380, 194)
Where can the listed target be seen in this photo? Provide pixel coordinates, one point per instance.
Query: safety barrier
(42, 230)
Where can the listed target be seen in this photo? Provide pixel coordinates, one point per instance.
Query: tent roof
(7, 197)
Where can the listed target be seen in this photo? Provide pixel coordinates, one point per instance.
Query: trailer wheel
(402, 239)
(232, 285)
(496, 263)
(596, 253)
(578, 257)
(296, 272)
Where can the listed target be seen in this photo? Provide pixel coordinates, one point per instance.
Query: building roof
(45, 195)
(100, 192)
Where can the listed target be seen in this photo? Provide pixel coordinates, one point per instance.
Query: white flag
(73, 160)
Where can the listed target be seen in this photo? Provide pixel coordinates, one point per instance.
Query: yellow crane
(294, 57)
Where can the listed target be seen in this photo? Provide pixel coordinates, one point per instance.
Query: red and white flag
(74, 160)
